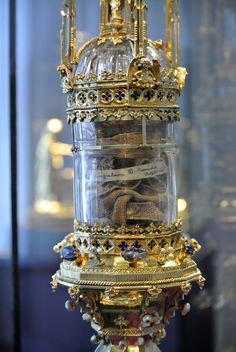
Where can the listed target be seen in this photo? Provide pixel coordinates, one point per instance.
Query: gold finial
(68, 32)
(116, 10)
(111, 19)
(172, 31)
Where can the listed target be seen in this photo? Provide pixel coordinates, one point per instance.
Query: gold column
(172, 31)
(140, 27)
(128, 17)
(103, 16)
(68, 32)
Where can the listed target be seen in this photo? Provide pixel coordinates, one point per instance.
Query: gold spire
(68, 32)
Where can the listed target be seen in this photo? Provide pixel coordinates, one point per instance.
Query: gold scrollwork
(151, 229)
(186, 287)
(54, 284)
(181, 74)
(74, 292)
(201, 281)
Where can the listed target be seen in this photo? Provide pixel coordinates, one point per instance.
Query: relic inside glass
(127, 264)
(119, 180)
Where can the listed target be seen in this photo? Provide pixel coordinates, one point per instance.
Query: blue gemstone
(69, 253)
(136, 245)
(189, 249)
(123, 245)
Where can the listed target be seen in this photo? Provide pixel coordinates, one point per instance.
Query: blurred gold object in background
(51, 173)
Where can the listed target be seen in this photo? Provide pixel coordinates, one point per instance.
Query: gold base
(128, 305)
(111, 348)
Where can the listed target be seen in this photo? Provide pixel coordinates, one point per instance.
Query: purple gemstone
(133, 253)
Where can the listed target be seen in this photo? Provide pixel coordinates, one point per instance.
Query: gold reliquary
(127, 264)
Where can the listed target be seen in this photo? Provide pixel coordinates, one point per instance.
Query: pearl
(122, 343)
(70, 306)
(163, 333)
(186, 309)
(56, 248)
(147, 318)
(140, 341)
(87, 317)
(170, 256)
(94, 339)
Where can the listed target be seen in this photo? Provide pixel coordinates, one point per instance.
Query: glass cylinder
(124, 172)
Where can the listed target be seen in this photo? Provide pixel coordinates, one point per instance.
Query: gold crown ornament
(127, 264)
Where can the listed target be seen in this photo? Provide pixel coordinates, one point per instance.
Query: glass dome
(111, 57)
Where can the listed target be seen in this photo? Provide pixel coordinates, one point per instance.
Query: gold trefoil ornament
(127, 264)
